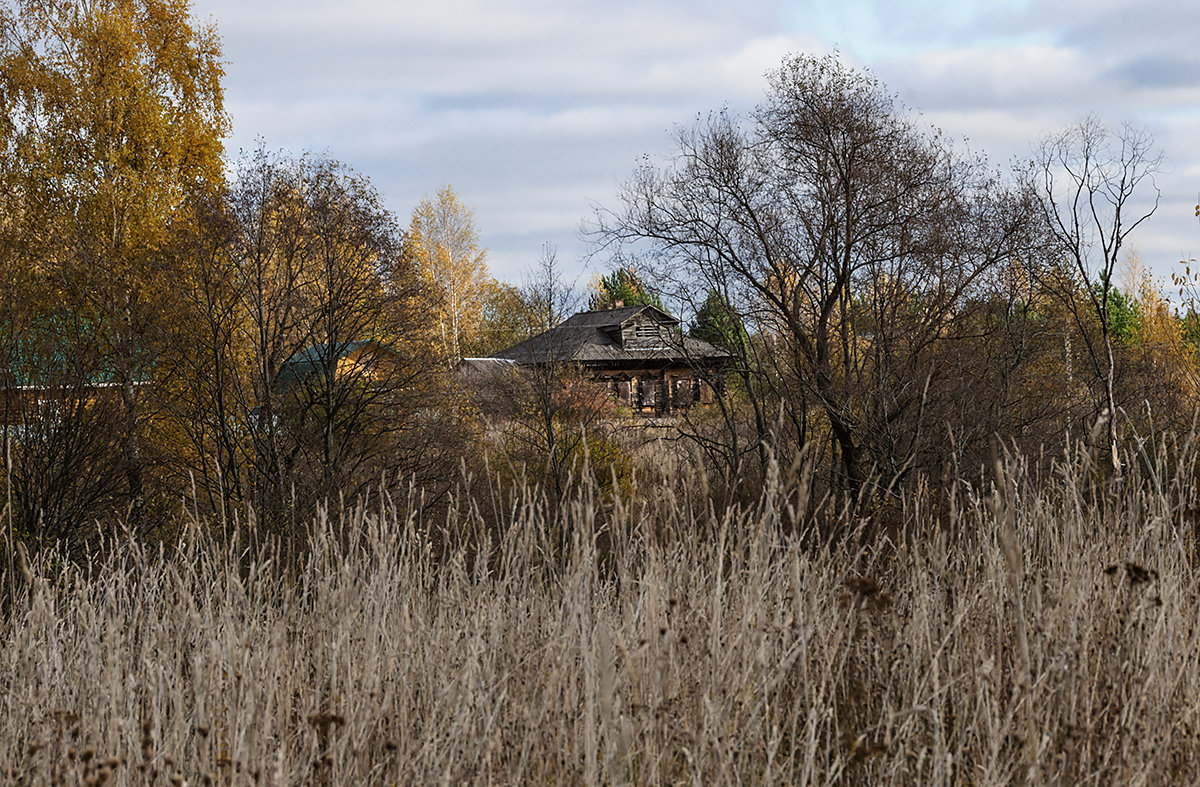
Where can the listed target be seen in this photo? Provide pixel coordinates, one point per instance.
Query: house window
(649, 389)
(681, 395)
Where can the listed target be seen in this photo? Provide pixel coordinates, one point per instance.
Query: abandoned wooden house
(637, 352)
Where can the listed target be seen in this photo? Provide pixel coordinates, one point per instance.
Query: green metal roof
(311, 360)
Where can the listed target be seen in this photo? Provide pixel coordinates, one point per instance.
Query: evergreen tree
(623, 285)
(717, 323)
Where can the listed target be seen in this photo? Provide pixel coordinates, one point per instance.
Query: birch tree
(1087, 178)
(445, 244)
(112, 121)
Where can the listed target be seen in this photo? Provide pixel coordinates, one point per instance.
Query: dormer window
(645, 330)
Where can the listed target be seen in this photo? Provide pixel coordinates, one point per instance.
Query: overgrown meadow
(1035, 628)
(219, 377)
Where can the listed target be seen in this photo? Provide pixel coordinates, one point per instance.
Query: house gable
(643, 332)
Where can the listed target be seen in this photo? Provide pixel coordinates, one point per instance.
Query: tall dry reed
(1039, 630)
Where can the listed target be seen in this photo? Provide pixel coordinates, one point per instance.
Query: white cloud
(533, 107)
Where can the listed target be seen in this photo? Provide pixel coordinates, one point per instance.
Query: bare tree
(63, 417)
(845, 238)
(1086, 178)
(550, 297)
(351, 401)
(552, 404)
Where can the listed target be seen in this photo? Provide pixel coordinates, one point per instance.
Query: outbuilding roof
(311, 360)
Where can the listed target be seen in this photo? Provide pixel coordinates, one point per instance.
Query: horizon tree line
(274, 341)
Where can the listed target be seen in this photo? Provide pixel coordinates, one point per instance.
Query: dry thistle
(1136, 574)
(65, 718)
(866, 591)
(323, 721)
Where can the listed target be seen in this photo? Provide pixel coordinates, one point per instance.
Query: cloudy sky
(535, 110)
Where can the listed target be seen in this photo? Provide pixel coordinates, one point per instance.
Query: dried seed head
(863, 586)
(323, 721)
(65, 718)
(1139, 574)
(867, 590)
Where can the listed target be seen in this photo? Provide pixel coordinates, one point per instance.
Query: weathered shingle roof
(595, 338)
(615, 318)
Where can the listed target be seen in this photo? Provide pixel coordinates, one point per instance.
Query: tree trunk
(1111, 404)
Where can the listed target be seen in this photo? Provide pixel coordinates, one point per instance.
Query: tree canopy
(718, 323)
(444, 242)
(113, 122)
(623, 285)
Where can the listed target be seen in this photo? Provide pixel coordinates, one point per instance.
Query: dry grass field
(1039, 630)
